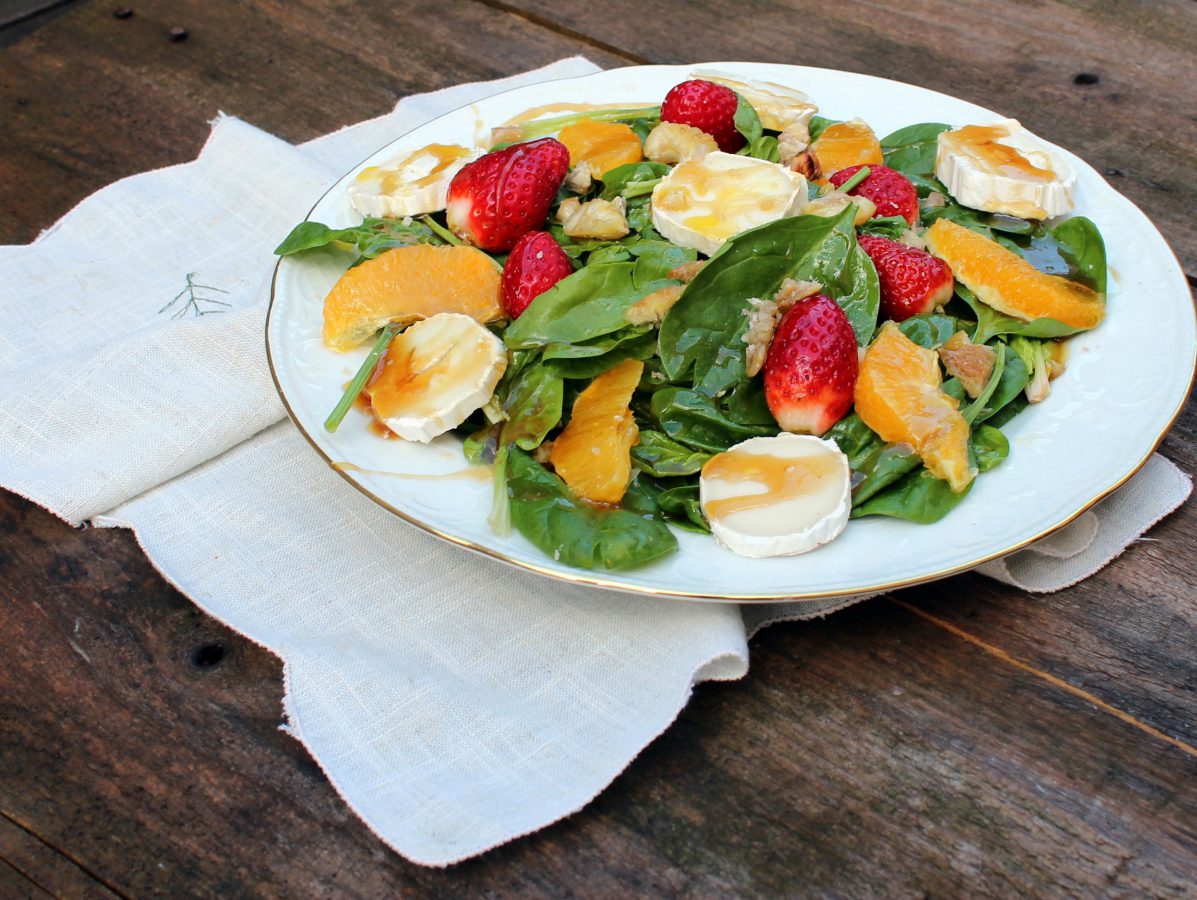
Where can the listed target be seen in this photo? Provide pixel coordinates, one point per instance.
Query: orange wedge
(847, 144)
(406, 284)
(1010, 284)
(604, 145)
(593, 454)
(898, 395)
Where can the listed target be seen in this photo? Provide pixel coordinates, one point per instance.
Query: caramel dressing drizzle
(391, 175)
(982, 142)
(784, 478)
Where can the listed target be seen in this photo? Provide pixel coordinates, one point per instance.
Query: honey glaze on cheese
(783, 478)
(426, 164)
(414, 382)
(982, 143)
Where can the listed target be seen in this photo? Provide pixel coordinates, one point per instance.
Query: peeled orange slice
(593, 453)
(898, 395)
(847, 144)
(406, 284)
(604, 145)
(1010, 284)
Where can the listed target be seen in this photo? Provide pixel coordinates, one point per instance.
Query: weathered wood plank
(43, 866)
(869, 749)
(1135, 123)
(297, 70)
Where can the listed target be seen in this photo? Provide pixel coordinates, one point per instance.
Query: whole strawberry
(913, 282)
(708, 107)
(891, 191)
(497, 198)
(536, 263)
(811, 367)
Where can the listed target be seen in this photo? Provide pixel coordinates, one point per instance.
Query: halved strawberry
(811, 367)
(708, 107)
(892, 192)
(536, 263)
(913, 282)
(497, 198)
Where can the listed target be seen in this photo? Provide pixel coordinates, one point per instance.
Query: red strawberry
(811, 366)
(536, 263)
(913, 282)
(708, 107)
(495, 199)
(892, 191)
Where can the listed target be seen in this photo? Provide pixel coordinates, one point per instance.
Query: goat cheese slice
(1003, 168)
(435, 374)
(411, 186)
(703, 202)
(776, 496)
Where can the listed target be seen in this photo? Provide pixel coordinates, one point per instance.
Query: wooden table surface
(957, 738)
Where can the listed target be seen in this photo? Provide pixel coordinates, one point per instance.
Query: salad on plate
(722, 313)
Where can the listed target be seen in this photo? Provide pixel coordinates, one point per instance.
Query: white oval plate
(1125, 384)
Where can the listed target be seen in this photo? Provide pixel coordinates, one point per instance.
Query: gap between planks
(1051, 679)
(62, 853)
(570, 33)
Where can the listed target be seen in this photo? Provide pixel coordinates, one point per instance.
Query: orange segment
(898, 395)
(593, 453)
(604, 145)
(847, 144)
(1009, 283)
(406, 284)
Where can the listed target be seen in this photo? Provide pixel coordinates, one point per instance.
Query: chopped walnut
(792, 141)
(506, 134)
(763, 316)
(686, 271)
(971, 363)
(934, 200)
(835, 202)
(602, 220)
(651, 310)
(912, 238)
(580, 178)
(807, 165)
(568, 207)
(672, 143)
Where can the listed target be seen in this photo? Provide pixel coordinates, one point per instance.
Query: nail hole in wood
(1085, 78)
(207, 656)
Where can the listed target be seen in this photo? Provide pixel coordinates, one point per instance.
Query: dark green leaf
(1084, 250)
(930, 330)
(911, 150)
(694, 419)
(573, 532)
(991, 323)
(617, 180)
(763, 147)
(657, 454)
(371, 238)
(748, 123)
(533, 407)
(587, 304)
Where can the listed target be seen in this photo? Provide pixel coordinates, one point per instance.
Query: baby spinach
(546, 512)
(989, 447)
(701, 334)
(892, 227)
(930, 330)
(1012, 383)
(991, 323)
(763, 147)
(1083, 248)
(370, 238)
(977, 406)
(678, 503)
(695, 419)
(533, 407)
(616, 181)
(818, 124)
(855, 439)
(660, 455)
(911, 150)
(747, 122)
(577, 361)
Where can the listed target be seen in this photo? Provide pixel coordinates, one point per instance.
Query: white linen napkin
(454, 702)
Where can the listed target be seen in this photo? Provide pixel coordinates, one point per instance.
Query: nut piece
(602, 220)
(971, 363)
(764, 315)
(651, 310)
(806, 164)
(580, 178)
(672, 143)
(835, 202)
(793, 141)
(686, 271)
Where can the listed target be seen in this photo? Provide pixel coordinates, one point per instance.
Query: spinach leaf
(657, 454)
(911, 150)
(1084, 250)
(616, 181)
(747, 122)
(656, 259)
(533, 407)
(883, 467)
(1013, 382)
(370, 238)
(764, 147)
(573, 532)
(855, 439)
(977, 406)
(930, 330)
(892, 227)
(694, 419)
(818, 124)
(587, 304)
(991, 323)
(679, 503)
(701, 334)
(990, 447)
(578, 360)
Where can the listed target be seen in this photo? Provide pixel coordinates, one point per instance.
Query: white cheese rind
(703, 202)
(410, 186)
(777, 106)
(979, 186)
(789, 526)
(446, 367)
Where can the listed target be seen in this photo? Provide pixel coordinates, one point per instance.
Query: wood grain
(892, 749)
(1137, 124)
